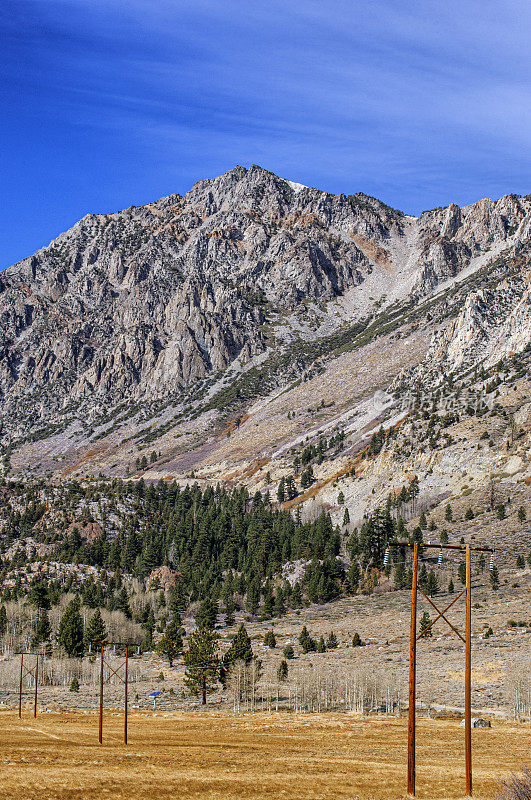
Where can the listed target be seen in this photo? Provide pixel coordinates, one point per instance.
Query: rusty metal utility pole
(467, 640)
(468, 678)
(412, 678)
(101, 698)
(32, 672)
(125, 694)
(36, 684)
(125, 680)
(20, 686)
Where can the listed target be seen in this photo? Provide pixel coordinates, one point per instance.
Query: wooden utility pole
(101, 697)
(36, 683)
(115, 672)
(125, 695)
(466, 639)
(412, 678)
(468, 678)
(32, 672)
(20, 686)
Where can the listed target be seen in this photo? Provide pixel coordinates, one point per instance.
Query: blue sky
(109, 103)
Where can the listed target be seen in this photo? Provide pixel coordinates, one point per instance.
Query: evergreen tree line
(207, 537)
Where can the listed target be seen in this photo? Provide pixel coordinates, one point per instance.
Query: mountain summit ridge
(147, 304)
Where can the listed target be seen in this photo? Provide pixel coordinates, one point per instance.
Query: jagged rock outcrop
(493, 322)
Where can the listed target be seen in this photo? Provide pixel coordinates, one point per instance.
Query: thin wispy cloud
(111, 103)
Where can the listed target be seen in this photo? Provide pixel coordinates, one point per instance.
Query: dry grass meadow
(57, 757)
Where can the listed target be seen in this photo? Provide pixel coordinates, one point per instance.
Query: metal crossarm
(113, 671)
(441, 615)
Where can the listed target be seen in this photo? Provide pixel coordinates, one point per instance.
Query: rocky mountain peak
(144, 304)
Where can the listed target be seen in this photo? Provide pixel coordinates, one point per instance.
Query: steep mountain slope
(257, 348)
(154, 327)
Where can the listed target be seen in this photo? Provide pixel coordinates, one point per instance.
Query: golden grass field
(57, 756)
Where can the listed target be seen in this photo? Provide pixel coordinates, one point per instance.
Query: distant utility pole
(124, 680)
(467, 640)
(30, 672)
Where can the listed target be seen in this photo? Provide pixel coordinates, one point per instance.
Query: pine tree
(241, 648)
(306, 642)
(149, 627)
(269, 601)
(270, 639)
(522, 516)
(202, 663)
(332, 642)
(321, 646)
(282, 671)
(448, 513)
(280, 607)
(96, 631)
(357, 641)
(253, 598)
(417, 534)
(346, 517)
(424, 625)
(43, 629)
(353, 545)
(3, 620)
(70, 635)
(340, 499)
(291, 489)
(296, 596)
(501, 513)
(494, 578)
(303, 636)
(423, 523)
(451, 587)
(230, 608)
(39, 595)
(307, 478)
(281, 492)
(171, 644)
(121, 603)
(207, 614)
(432, 585)
(74, 686)
(288, 651)
(461, 572)
(400, 576)
(353, 575)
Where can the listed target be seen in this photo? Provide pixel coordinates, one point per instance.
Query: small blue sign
(154, 694)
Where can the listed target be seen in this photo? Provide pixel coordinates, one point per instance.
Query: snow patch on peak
(296, 186)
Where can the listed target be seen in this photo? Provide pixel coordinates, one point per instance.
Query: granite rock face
(142, 304)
